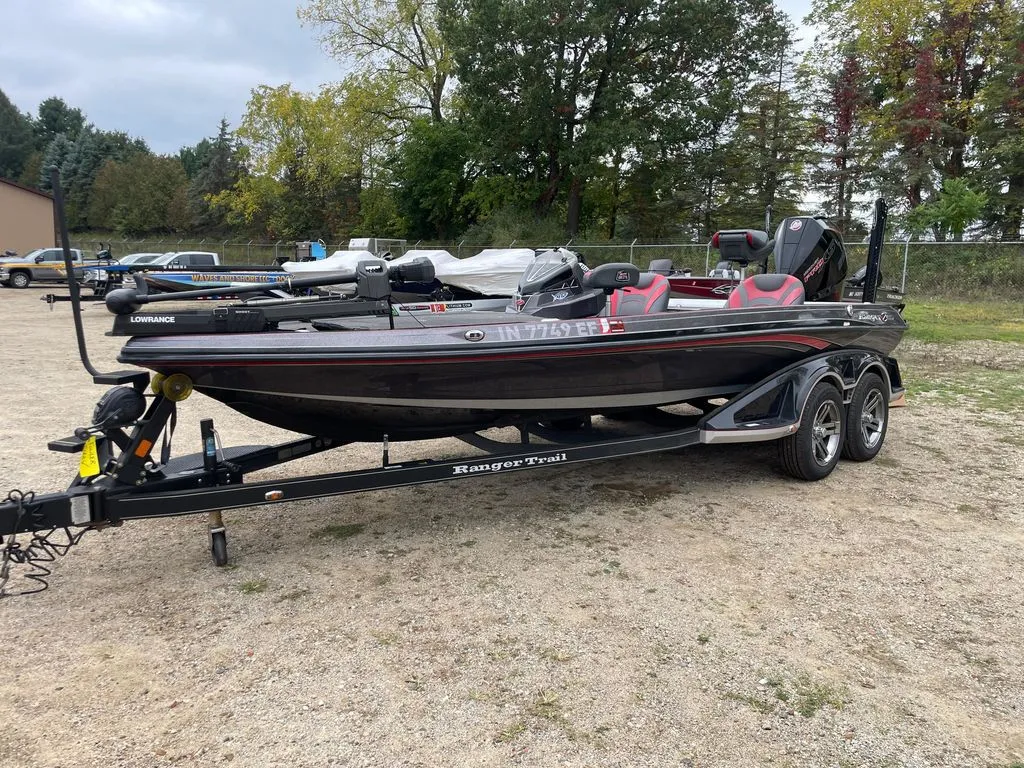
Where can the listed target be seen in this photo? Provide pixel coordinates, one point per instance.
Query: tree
(83, 160)
(217, 169)
(16, 142)
(141, 195)
(1000, 137)
(56, 118)
(430, 175)
(193, 158)
(397, 42)
(305, 159)
(926, 62)
(556, 89)
(956, 207)
(840, 99)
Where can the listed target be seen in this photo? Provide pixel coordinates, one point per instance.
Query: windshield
(147, 258)
(33, 254)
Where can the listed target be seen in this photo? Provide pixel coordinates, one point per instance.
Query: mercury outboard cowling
(813, 252)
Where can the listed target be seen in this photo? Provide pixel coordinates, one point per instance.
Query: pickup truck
(40, 265)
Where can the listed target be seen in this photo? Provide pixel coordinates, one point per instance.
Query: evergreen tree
(218, 169)
(1000, 139)
(55, 118)
(16, 143)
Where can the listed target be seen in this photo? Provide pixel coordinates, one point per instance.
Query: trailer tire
(813, 451)
(19, 280)
(867, 419)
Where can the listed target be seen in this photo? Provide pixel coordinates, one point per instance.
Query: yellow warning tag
(89, 466)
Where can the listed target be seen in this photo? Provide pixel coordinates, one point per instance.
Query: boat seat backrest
(647, 297)
(740, 245)
(660, 266)
(772, 290)
(724, 270)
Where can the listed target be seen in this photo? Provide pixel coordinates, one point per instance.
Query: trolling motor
(373, 280)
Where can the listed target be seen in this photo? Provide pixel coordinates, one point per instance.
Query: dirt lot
(695, 609)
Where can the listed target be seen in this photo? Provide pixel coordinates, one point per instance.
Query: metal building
(26, 218)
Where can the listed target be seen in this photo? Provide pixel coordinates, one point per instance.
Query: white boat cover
(336, 262)
(492, 272)
(437, 258)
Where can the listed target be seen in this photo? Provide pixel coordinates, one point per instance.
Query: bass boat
(574, 343)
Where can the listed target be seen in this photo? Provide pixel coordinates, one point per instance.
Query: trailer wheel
(19, 280)
(813, 451)
(867, 418)
(219, 548)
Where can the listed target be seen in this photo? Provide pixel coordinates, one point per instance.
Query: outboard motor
(811, 250)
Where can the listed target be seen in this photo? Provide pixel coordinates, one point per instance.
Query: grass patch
(811, 697)
(510, 732)
(253, 586)
(974, 387)
(944, 321)
(764, 707)
(338, 532)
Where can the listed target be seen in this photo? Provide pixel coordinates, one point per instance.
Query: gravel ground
(690, 609)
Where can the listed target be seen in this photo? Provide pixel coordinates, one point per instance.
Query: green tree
(16, 143)
(553, 90)
(55, 117)
(89, 151)
(926, 63)
(1000, 137)
(142, 195)
(194, 158)
(398, 44)
(431, 179)
(955, 208)
(218, 169)
(305, 159)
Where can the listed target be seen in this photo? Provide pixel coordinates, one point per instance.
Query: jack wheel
(219, 548)
(813, 452)
(867, 418)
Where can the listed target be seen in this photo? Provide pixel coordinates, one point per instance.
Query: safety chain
(41, 548)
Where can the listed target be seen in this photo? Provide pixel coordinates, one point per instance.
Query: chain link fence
(960, 270)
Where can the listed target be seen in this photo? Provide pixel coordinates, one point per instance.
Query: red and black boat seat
(647, 297)
(773, 290)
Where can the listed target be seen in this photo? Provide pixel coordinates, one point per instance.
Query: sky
(165, 71)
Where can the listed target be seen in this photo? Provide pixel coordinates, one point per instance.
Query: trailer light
(273, 495)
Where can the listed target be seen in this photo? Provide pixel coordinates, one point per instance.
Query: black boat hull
(447, 380)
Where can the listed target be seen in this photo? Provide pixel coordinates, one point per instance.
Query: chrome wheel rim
(872, 419)
(826, 433)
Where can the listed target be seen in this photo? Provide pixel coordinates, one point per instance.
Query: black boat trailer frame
(135, 481)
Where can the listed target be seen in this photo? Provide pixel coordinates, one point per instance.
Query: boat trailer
(123, 476)
(816, 409)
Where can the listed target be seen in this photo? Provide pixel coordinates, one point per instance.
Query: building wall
(26, 220)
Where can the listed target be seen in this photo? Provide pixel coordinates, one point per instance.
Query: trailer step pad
(122, 377)
(71, 444)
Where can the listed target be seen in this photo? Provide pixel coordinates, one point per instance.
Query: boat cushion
(774, 290)
(647, 297)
